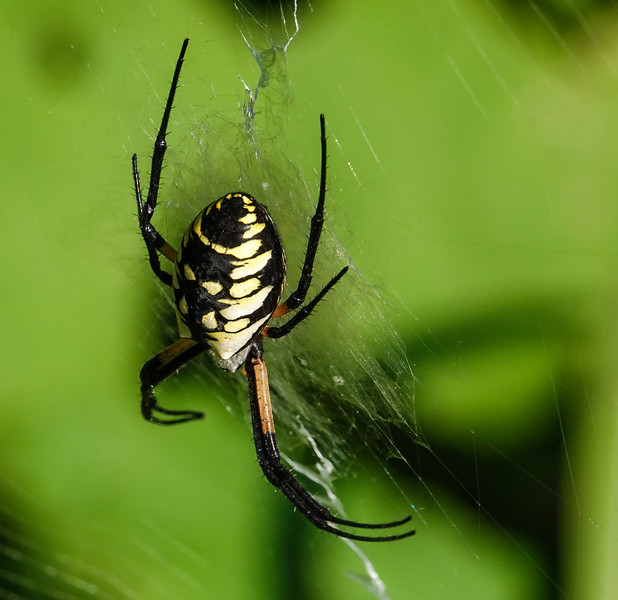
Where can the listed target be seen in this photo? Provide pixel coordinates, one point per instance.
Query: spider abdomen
(229, 274)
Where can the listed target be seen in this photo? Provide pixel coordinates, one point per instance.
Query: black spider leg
(305, 311)
(155, 242)
(297, 297)
(159, 368)
(268, 446)
(279, 475)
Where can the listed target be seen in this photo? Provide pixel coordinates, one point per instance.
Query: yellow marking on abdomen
(236, 326)
(189, 274)
(197, 225)
(183, 330)
(253, 230)
(248, 218)
(197, 228)
(226, 344)
(209, 321)
(245, 250)
(240, 290)
(246, 306)
(212, 287)
(248, 267)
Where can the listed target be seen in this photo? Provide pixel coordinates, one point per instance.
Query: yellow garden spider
(229, 274)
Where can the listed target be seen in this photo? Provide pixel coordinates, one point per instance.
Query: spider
(228, 277)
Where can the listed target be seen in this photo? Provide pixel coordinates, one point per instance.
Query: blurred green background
(473, 164)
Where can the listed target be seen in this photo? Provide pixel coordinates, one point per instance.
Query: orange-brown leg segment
(259, 376)
(279, 475)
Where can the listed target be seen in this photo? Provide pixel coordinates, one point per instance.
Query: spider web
(471, 174)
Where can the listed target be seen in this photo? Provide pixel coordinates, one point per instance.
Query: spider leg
(159, 368)
(279, 475)
(304, 312)
(297, 297)
(155, 242)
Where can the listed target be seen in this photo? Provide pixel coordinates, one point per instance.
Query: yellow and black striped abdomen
(229, 275)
